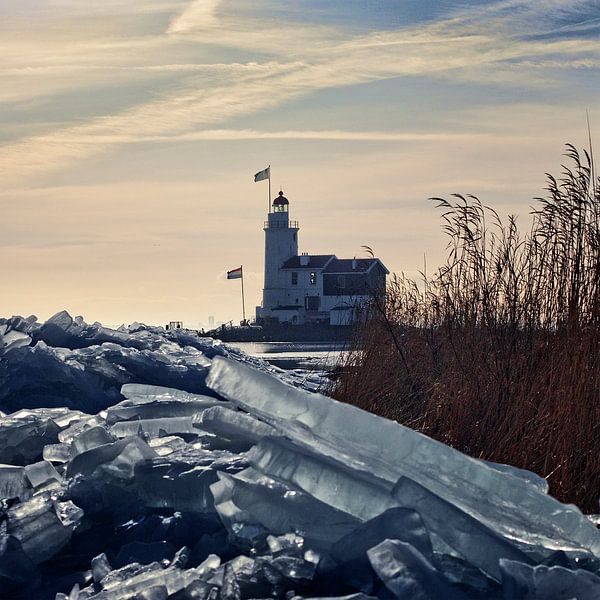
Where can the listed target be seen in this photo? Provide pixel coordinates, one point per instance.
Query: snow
(143, 463)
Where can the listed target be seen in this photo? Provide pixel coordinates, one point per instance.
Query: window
(341, 281)
(313, 278)
(311, 303)
(294, 278)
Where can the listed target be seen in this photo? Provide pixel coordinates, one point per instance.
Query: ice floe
(244, 484)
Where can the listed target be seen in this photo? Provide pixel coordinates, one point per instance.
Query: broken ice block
(58, 453)
(474, 541)
(155, 427)
(358, 596)
(532, 478)
(349, 490)
(13, 483)
(89, 438)
(68, 513)
(100, 567)
(408, 574)
(42, 476)
(114, 461)
(182, 480)
(157, 408)
(125, 583)
(37, 526)
(68, 435)
(506, 503)
(547, 583)
(141, 391)
(250, 503)
(12, 340)
(16, 568)
(234, 425)
(23, 439)
(350, 553)
(164, 446)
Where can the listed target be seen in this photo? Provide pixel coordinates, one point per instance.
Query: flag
(235, 274)
(264, 174)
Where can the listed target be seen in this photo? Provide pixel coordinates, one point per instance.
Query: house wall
(354, 284)
(295, 294)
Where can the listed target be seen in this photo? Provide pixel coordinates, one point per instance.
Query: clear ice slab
(42, 525)
(251, 504)
(506, 503)
(13, 483)
(408, 574)
(547, 583)
(114, 462)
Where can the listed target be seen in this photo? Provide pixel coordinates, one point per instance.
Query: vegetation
(497, 354)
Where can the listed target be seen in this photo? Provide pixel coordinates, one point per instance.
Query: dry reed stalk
(497, 353)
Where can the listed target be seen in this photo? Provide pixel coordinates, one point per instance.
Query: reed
(497, 353)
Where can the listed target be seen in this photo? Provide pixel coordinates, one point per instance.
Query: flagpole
(269, 197)
(243, 302)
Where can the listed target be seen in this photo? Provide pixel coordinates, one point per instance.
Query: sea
(308, 356)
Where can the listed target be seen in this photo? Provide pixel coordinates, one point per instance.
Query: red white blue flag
(235, 273)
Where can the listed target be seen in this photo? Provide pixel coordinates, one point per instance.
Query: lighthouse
(281, 244)
(319, 289)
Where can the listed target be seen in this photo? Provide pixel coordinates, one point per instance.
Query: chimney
(354, 264)
(304, 259)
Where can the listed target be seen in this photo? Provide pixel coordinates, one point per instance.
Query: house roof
(315, 261)
(345, 265)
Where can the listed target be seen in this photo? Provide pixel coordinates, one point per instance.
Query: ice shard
(504, 502)
(158, 408)
(408, 574)
(43, 476)
(90, 438)
(471, 539)
(350, 553)
(547, 583)
(115, 462)
(57, 453)
(234, 424)
(9, 340)
(39, 529)
(148, 393)
(17, 570)
(154, 428)
(13, 483)
(22, 439)
(332, 482)
(251, 504)
(182, 481)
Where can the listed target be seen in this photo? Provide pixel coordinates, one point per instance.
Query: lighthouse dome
(281, 204)
(281, 200)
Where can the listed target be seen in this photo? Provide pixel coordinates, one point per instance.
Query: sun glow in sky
(131, 131)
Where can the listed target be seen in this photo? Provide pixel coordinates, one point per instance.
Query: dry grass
(497, 354)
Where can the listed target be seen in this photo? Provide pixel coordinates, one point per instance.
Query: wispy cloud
(300, 60)
(198, 14)
(252, 134)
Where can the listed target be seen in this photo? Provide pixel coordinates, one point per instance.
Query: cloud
(307, 60)
(198, 14)
(252, 134)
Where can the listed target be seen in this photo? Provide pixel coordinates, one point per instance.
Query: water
(310, 356)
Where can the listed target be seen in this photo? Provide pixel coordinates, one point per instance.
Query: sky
(130, 133)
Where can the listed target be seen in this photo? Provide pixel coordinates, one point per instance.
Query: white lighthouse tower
(281, 244)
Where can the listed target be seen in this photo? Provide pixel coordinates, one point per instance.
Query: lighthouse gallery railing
(282, 225)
